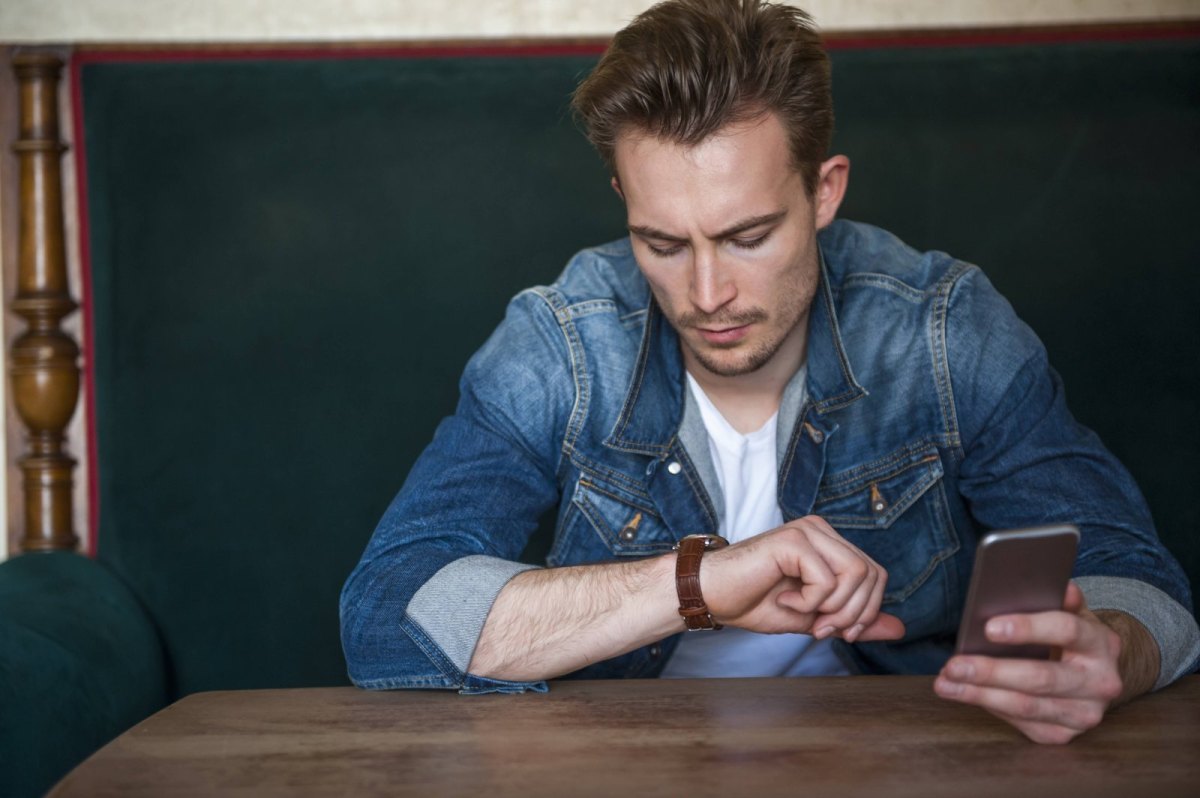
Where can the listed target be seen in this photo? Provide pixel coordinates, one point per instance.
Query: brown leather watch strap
(687, 580)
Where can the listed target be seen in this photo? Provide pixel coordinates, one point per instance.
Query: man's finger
(884, 627)
(859, 610)
(872, 610)
(818, 524)
(1071, 713)
(1074, 600)
(1026, 675)
(817, 580)
(1044, 733)
(849, 602)
(854, 570)
(1055, 628)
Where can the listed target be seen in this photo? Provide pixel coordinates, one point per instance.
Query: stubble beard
(742, 358)
(740, 363)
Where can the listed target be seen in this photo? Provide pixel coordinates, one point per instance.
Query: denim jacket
(929, 416)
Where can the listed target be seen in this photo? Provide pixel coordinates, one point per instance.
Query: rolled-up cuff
(454, 604)
(1168, 622)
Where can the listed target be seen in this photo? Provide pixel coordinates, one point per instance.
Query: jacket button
(629, 531)
(878, 503)
(674, 467)
(655, 651)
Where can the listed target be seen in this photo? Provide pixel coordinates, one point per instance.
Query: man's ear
(616, 185)
(832, 181)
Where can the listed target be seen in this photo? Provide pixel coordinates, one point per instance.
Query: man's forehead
(741, 172)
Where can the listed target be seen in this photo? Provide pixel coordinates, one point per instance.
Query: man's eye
(751, 243)
(664, 252)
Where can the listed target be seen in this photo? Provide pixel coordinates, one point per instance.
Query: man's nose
(712, 287)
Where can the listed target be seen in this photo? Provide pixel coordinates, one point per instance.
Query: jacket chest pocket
(893, 509)
(621, 522)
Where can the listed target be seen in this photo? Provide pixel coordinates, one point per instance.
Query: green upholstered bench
(291, 259)
(80, 662)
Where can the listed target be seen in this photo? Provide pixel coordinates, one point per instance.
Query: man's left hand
(1049, 702)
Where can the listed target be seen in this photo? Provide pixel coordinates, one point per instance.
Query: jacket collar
(653, 409)
(831, 381)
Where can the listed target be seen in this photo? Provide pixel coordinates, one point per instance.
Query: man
(850, 414)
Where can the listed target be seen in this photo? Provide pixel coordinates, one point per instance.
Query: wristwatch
(691, 549)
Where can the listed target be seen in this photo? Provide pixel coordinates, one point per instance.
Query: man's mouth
(723, 336)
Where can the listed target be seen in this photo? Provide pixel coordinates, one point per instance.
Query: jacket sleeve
(1026, 461)
(413, 608)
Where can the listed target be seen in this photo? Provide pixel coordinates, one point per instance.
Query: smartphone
(1021, 570)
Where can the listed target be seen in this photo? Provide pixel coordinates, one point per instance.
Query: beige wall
(307, 20)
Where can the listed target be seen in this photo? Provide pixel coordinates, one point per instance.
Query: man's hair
(684, 69)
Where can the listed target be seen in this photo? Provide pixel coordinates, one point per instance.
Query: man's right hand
(802, 577)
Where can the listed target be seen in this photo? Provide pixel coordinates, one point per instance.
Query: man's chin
(731, 362)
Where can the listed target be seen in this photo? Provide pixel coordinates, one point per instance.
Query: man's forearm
(546, 623)
(1139, 660)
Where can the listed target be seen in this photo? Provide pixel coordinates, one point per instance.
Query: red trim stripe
(89, 333)
(1015, 37)
(288, 53)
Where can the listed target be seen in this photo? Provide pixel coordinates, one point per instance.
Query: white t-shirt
(748, 474)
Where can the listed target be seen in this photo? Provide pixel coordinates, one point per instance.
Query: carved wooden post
(44, 360)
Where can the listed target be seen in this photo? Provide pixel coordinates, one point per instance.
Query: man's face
(725, 234)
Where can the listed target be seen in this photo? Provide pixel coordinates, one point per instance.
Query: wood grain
(44, 368)
(876, 736)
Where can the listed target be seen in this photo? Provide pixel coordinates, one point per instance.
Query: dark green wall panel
(1071, 174)
(292, 260)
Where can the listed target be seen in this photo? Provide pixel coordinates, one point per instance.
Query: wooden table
(873, 736)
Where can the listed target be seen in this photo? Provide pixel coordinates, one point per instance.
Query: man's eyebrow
(752, 222)
(646, 231)
(738, 227)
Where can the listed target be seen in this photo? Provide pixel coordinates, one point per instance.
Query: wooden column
(44, 360)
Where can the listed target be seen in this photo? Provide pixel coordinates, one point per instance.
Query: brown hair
(684, 69)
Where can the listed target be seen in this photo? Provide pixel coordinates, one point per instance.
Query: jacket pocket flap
(874, 495)
(627, 525)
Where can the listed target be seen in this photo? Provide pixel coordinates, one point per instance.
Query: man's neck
(747, 401)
